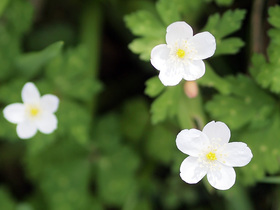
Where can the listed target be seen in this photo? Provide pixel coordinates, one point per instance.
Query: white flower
(35, 113)
(182, 56)
(210, 154)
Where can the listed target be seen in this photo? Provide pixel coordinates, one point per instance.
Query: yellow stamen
(181, 53)
(34, 111)
(211, 156)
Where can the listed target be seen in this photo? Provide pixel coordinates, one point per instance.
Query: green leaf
(176, 10)
(222, 26)
(229, 46)
(143, 46)
(144, 23)
(224, 2)
(61, 171)
(6, 202)
(265, 151)
(154, 87)
(267, 73)
(116, 175)
(211, 79)
(166, 104)
(30, 64)
(3, 5)
(71, 76)
(247, 104)
(160, 144)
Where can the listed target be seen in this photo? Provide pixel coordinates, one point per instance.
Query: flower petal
(159, 56)
(235, 154)
(14, 113)
(217, 132)
(49, 102)
(30, 93)
(191, 171)
(205, 45)
(191, 141)
(194, 70)
(222, 177)
(26, 129)
(170, 77)
(178, 31)
(47, 123)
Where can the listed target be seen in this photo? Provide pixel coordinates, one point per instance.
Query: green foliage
(267, 73)
(222, 26)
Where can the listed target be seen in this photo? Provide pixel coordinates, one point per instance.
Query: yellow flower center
(181, 53)
(34, 111)
(211, 156)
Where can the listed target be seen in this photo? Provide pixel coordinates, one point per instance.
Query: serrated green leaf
(71, 76)
(144, 46)
(267, 73)
(265, 148)
(274, 16)
(229, 46)
(30, 64)
(247, 104)
(154, 87)
(144, 23)
(222, 26)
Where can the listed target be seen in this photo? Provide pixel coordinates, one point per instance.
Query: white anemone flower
(182, 56)
(210, 154)
(35, 113)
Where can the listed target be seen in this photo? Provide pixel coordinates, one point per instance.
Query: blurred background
(115, 143)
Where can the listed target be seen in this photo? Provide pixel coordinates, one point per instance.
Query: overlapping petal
(50, 103)
(26, 129)
(15, 113)
(169, 78)
(191, 141)
(30, 93)
(178, 31)
(204, 44)
(222, 177)
(159, 56)
(195, 70)
(47, 124)
(237, 154)
(217, 132)
(191, 170)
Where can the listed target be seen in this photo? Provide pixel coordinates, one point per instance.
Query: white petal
(191, 141)
(26, 129)
(47, 123)
(191, 170)
(178, 31)
(14, 113)
(170, 77)
(30, 93)
(159, 56)
(194, 70)
(222, 177)
(49, 102)
(235, 154)
(205, 45)
(217, 132)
